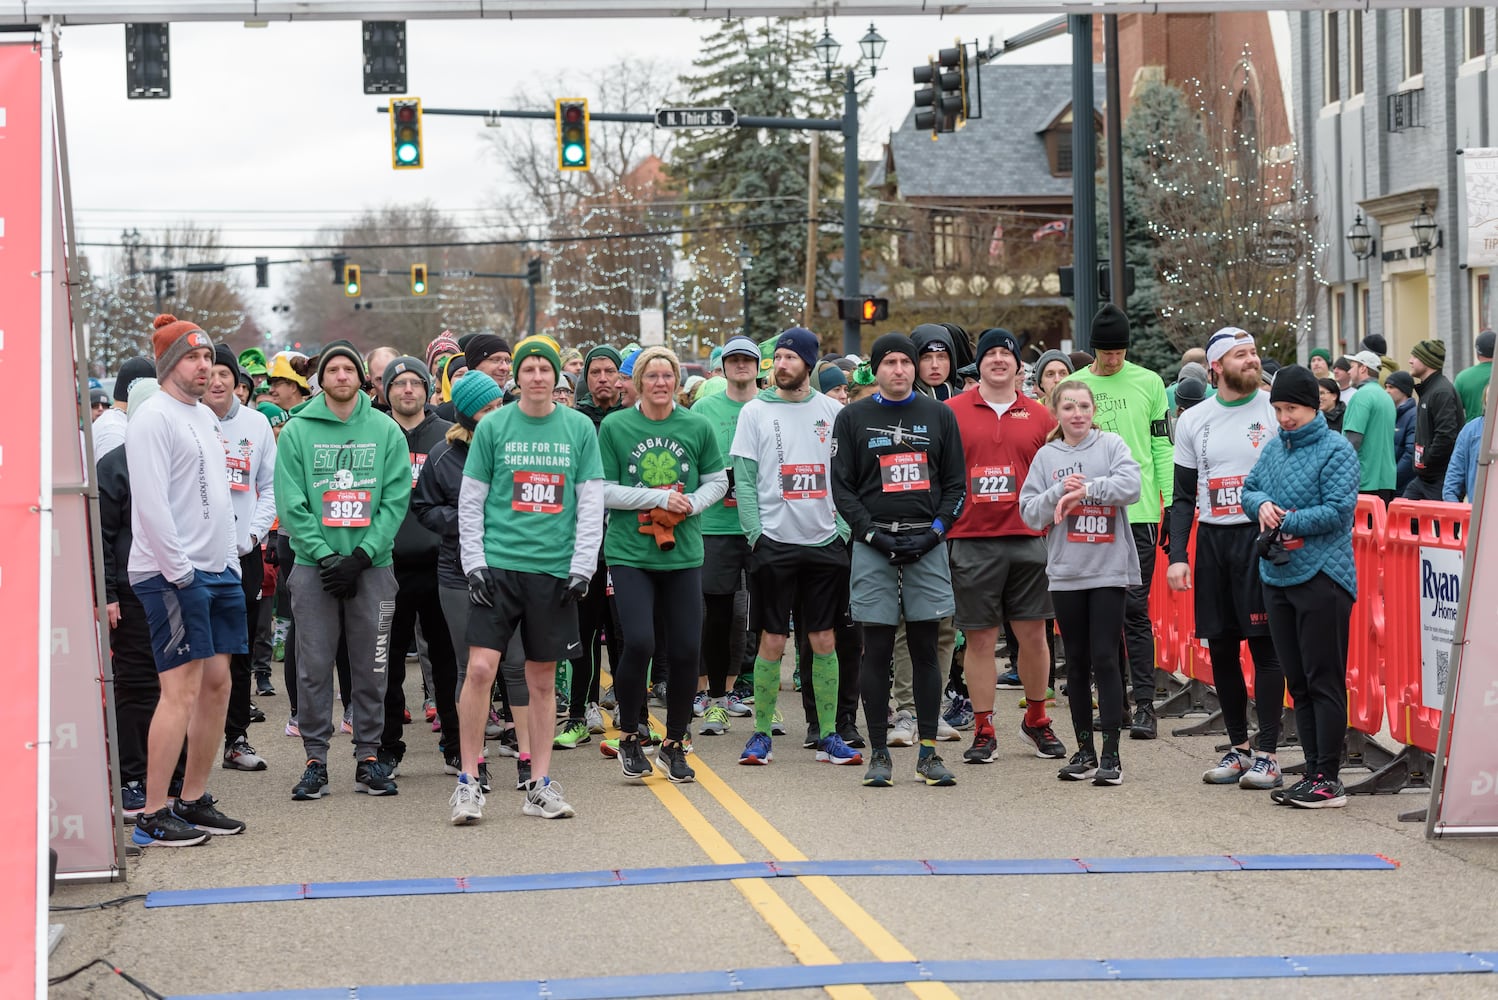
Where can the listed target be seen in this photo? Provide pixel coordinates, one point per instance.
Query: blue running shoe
(833, 750)
(757, 751)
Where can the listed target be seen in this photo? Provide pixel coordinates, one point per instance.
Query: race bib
(346, 508)
(803, 482)
(1092, 525)
(538, 492)
(239, 473)
(1419, 456)
(905, 471)
(417, 461)
(731, 498)
(1225, 496)
(992, 484)
(1292, 542)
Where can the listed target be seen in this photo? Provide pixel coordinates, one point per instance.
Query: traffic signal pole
(1084, 187)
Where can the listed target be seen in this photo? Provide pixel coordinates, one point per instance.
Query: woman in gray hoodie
(1079, 487)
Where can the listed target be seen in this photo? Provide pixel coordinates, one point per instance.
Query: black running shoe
(813, 737)
(314, 782)
(985, 748)
(1323, 793)
(1281, 796)
(1043, 740)
(256, 714)
(632, 759)
(851, 736)
(391, 761)
(1109, 770)
(933, 770)
(522, 775)
(881, 770)
(673, 760)
(371, 778)
(263, 687)
(204, 815)
(1081, 767)
(1144, 726)
(162, 829)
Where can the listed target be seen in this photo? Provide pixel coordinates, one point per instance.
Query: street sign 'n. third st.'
(696, 118)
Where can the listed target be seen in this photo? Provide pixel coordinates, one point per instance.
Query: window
(943, 241)
(1246, 138)
(1331, 62)
(1474, 38)
(1414, 53)
(1339, 322)
(1355, 52)
(1481, 289)
(1363, 298)
(1063, 154)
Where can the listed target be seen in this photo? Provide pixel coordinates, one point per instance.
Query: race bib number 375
(346, 508)
(538, 492)
(903, 472)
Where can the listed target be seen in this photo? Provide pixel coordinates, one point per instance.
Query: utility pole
(1114, 134)
(852, 332)
(1084, 187)
(812, 170)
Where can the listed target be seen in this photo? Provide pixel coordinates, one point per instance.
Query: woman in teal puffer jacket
(1303, 490)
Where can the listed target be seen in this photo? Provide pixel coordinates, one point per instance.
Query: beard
(1245, 380)
(789, 382)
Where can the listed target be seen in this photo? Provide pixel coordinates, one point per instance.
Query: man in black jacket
(408, 386)
(1437, 422)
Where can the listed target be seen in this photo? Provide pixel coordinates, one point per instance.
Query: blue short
(201, 620)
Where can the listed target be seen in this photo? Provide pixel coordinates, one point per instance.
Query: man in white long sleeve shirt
(250, 464)
(184, 567)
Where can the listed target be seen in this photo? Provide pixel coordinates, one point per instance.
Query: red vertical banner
(21, 498)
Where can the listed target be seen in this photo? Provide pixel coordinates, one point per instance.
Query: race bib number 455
(905, 471)
(538, 492)
(346, 508)
(1092, 525)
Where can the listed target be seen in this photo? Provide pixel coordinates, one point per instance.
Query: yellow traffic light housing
(351, 285)
(418, 279)
(573, 152)
(405, 133)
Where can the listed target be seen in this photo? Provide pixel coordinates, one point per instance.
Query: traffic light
(384, 57)
(405, 133)
(262, 272)
(351, 286)
(925, 97)
(418, 279)
(572, 134)
(867, 310)
(533, 271)
(148, 61)
(340, 261)
(951, 83)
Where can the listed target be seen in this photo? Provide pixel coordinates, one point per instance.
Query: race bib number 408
(346, 508)
(1092, 525)
(538, 492)
(905, 471)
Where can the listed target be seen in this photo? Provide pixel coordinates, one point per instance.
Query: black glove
(340, 574)
(910, 548)
(1165, 532)
(577, 589)
(482, 586)
(883, 543)
(272, 557)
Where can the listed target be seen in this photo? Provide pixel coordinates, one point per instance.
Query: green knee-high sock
(824, 677)
(766, 689)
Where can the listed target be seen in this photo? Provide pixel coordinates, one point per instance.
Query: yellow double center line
(802, 941)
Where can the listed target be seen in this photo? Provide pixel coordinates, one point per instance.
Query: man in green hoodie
(343, 482)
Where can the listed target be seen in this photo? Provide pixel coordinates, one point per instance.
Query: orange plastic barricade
(1366, 639)
(1162, 619)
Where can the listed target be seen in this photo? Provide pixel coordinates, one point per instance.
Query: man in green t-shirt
(1131, 403)
(530, 517)
(1472, 383)
(1369, 426)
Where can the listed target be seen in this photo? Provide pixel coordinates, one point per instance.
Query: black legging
(1091, 622)
(595, 627)
(722, 637)
(1309, 622)
(1232, 691)
(874, 677)
(237, 715)
(638, 594)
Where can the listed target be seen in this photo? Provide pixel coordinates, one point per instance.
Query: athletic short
(995, 580)
(203, 619)
(879, 593)
(725, 558)
(533, 603)
(779, 573)
(1229, 594)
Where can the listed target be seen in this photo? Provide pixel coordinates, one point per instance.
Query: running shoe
(1009, 679)
(632, 758)
(371, 778)
(1081, 767)
(545, 800)
(390, 761)
(348, 720)
(673, 760)
(648, 743)
(902, 732)
(881, 770)
(240, 756)
(1281, 796)
(203, 814)
(959, 713)
(1043, 740)
(429, 709)
(796, 679)
(607, 699)
(494, 726)
(813, 737)
(594, 718)
(257, 714)
(699, 704)
(933, 770)
(132, 799)
(573, 734)
(405, 716)
(292, 729)
(832, 750)
(1234, 765)
(944, 731)
(735, 705)
(715, 720)
(777, 724)
(454, 765)
(658, 694)
(1109, 770)
(757, 750)
(1265, 774)
(509, 743)
(523, 780)
(1050, 698)
(1323, 793)
(564, 705)
(467, 801)
(985, 748)
(851, 736)
(162, 829)
(1145, 726)
(263, 687)
(313, 783)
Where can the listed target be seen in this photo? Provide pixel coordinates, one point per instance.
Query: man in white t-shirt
(184, 567)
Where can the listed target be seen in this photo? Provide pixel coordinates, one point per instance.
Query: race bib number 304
(992, 484)
(905, 471)
(1225, 495)
(1092, 525)
(538, 492)
(346, 508)
(803, 482)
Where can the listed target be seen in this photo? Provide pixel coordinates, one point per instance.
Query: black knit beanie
(1110, 329)
(1296, 384)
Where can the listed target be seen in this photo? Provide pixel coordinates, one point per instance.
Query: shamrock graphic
(658, 468)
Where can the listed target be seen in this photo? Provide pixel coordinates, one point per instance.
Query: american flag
(1056, 228)
(996, 242)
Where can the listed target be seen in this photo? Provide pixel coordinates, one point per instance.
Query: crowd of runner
(499, 511)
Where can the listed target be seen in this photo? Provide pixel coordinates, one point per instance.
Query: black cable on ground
(146, 990)
(106, 905)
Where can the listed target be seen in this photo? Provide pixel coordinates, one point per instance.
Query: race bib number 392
(991, 484)
(1092, 525)
(904, 471)
(346, 508)
(538, 492)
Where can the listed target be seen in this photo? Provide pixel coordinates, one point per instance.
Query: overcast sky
(268, 133)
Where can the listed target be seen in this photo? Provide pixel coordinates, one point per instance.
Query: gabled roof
(1001, 155)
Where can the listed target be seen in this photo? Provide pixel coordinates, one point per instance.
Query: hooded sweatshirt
(415, 544)
(342, 485)
(1093, 547)
(930, 333)
(435, 504)
(782, 456)
(583, 399)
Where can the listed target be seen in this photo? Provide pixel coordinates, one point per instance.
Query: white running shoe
(545, 800)
(467, 801)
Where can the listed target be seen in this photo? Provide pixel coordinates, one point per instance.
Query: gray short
(879, 592)
(999, 579)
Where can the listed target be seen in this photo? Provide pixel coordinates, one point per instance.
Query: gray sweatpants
(366, 623)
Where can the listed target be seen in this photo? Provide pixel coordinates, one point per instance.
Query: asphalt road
(1439, 898)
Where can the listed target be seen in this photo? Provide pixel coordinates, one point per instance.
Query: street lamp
(1424, 228)
(827, 49)
(1360, 239)
(746, 262)
(872, 46)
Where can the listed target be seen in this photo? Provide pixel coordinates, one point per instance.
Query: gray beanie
(1050, 356)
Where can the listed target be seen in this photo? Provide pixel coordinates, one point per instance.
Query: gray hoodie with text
(1093, 546)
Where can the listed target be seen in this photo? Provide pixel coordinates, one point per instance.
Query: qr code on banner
(1443, 669)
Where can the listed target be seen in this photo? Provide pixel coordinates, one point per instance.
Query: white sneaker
(606, 697)
(467, 801)
(944, 731)
(902, 733)
(594, 718)
(495, 727)
(699, 704)
(715, 721)
(545, 800)
(240, 756)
